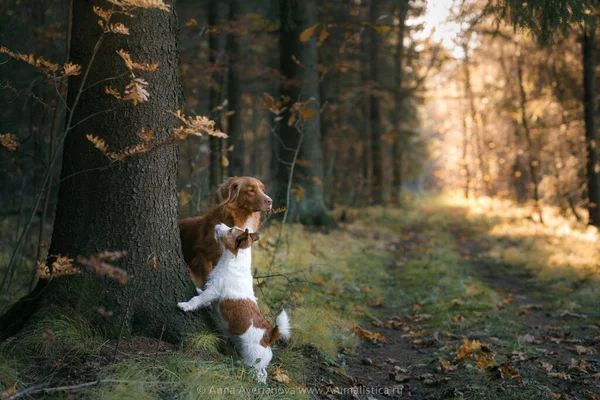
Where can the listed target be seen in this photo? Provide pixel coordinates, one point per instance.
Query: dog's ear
(239, 241)
(229, 190)
(254, 236)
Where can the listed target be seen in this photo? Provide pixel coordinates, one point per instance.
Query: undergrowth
(417, 262)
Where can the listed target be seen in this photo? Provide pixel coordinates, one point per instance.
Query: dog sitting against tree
(230, 292)
(244, 200)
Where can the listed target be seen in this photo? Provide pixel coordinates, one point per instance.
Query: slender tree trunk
(237, 166)
(476, 131)
(303, 137)
(465, 153)
(129, 205)
(217, 48)
(531, 160)
(591, 134)
(377, 194)
(399, 140)
(367, 122)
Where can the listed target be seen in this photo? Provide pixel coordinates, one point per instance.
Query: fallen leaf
(458, 318)
(377, 302)
(547, 366)
(580, 365)
(467, 349)
(375, 336)
(457, 302)
(585, 350)
(279, 375)
(560, 375)
(10, 391)
(484, 360)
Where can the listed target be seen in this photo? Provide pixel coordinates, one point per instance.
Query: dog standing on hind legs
(244, 199)
(229, 289)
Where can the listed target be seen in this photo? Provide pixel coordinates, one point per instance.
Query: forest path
(469, 326)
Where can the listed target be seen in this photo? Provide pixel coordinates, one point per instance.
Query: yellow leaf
(224, 161)
(467, 349)
(308, 33)
(382, 29)
(306, 113)
(292, 119)
(191, 22)
(484, 361)
(323, 34)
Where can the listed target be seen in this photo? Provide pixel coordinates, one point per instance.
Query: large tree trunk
(376, 128)
(237, 166)
(128, 205)
(591, 135)
(307, 204)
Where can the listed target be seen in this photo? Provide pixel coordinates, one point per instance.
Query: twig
(41, 389)
(158, 343)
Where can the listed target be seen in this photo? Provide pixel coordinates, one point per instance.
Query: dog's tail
(282, 328)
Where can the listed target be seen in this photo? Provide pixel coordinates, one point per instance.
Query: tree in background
(542, 21)
(298, 144)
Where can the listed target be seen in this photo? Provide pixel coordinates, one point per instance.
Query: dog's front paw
(184, 306)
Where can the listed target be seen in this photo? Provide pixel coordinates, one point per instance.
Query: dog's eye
(251, 189)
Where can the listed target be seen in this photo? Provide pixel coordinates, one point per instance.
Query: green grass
(413, 262)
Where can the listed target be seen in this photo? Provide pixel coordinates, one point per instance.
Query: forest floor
(501, 309)
(440, 299)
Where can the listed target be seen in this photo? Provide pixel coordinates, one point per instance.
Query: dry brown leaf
(585, 350)
(484, 360)
(375, 336)
(308, 33)
(280, 375)
(560, 375)
(12, 390)
(580, 365)
(467, 349)
(9, 141)
(547, 366)
(136, 91)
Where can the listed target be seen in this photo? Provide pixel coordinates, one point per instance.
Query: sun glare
(438, 24)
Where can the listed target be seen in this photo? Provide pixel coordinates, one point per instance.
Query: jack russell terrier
(229, 289)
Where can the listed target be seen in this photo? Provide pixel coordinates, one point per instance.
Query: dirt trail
(407, 366)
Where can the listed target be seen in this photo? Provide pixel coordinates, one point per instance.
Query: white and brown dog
(229, 289)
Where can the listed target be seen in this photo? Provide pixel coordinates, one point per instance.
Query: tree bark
(377, 195)
(302, 83)
(591, 135)
(128, 205)
(399, 140)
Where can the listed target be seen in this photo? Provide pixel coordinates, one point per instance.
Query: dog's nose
(268, 202)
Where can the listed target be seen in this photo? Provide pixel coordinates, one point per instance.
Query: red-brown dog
(245, 199)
